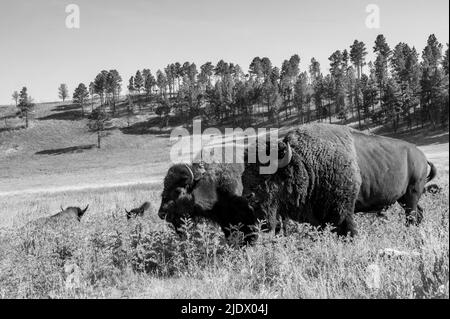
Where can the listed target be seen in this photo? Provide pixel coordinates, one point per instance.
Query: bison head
(176, 199)
(258, 188)
(138, 211)
(214, 195)
(74, 211)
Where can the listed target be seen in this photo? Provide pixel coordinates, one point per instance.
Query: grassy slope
(145, 259)
(40, 157)
(303, 264)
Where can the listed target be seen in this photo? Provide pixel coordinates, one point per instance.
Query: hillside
(55, 163)
(58, 153)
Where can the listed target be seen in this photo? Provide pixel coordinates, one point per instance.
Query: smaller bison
(138, 211)
(433, 189)
(212, 192)
(70, 213)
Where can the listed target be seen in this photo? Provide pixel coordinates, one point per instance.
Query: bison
(138, 211)
(206, 191)
(70, 213)
(334, 171)
(433, 189)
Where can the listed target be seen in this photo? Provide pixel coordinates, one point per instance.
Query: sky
(37, 50)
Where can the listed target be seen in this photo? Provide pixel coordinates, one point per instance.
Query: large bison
(334, 171)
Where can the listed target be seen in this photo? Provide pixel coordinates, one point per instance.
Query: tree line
(400, 85)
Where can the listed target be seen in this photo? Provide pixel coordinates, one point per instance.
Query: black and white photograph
(211, 150)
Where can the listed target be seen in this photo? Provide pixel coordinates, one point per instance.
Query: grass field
(50, 164)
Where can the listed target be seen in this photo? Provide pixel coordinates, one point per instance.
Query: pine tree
(358, 54)
(300, 95)
(113, 87)
(337, 72)
(149, 81)
(392, 102)
(432, 80)
(100, 85)
(383, 52)
(92, 93)
(406, 72)
(138, 81)
(130, 86)
(161, 82)
(15, 97)
(63, 91)
(80, 96)
(99, 121)
(445, 62)
(206, 72)
(25, 104)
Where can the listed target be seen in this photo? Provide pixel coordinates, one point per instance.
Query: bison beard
(336, 171)
(212, 192)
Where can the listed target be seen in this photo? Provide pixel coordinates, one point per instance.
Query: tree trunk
(98, 138)
(26, 119)
(329, 111)
(414, 114)
(359, 116)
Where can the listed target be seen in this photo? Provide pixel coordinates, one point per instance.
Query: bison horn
(287, 157)
(190, 172)
(83, 211)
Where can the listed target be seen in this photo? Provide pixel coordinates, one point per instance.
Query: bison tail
(432, 173)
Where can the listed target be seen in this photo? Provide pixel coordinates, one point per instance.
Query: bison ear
(81, 212)
(204, 194)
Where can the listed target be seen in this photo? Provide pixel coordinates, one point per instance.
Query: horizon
(152, 34)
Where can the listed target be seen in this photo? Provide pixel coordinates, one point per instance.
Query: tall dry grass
(107, 256)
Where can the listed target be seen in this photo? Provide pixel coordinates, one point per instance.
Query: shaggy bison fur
(336, 171)
(208, 191)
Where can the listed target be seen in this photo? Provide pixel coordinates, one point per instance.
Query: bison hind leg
(413, 211)
(347, 227)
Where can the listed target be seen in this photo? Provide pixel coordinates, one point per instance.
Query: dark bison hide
(335, 171)
(208, 191)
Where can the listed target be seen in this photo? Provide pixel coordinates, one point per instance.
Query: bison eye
(177, 192)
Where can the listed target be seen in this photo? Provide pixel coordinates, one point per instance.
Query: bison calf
(70, 213)
(138, 211)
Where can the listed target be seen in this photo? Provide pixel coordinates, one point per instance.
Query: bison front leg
(346, 208)
(281, 226)
(409, 202)
(347, 227)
